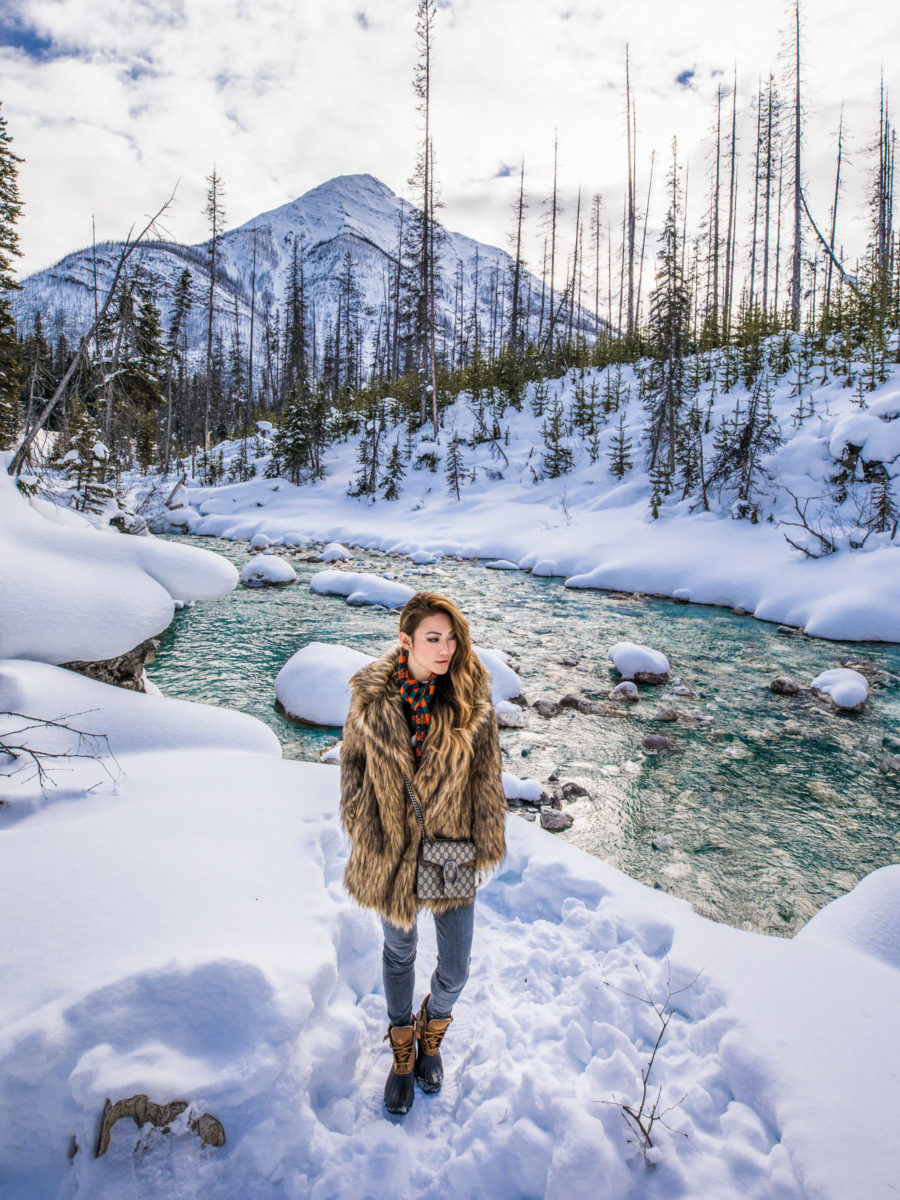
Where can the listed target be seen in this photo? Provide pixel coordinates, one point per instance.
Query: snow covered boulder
(866, 918)
(335, 552)
(625, 691)
(70, 592)
(845, 688)
(268, 570)
(423, 558)
(505, 683)
(260, 541)
(312, 684)
(510, 716)
(639, 663)
(361, 588)
(528, 791)
(502, 564)
(98, 724)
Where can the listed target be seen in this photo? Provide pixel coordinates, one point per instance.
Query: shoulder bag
(446, 866)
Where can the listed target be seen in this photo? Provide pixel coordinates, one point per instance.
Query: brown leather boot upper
(403, 1047)
(431, 1031)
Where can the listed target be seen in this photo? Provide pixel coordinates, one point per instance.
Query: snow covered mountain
(355, 214)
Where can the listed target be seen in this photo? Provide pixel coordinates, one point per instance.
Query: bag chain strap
(415, 804)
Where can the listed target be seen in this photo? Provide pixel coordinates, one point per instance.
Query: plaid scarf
(419, 697)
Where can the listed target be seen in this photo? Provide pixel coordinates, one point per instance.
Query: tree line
(758, 267)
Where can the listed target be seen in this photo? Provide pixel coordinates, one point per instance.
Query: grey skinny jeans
(454, 929)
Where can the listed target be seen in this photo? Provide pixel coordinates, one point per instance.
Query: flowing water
(768, 807)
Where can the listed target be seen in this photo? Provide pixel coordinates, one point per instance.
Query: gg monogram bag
(446, 868)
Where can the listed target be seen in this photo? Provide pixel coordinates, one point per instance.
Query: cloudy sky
(114, 102)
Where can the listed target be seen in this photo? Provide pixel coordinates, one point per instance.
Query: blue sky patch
(29, 41)
(686, 78)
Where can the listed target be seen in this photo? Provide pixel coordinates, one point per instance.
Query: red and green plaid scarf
(419, 697)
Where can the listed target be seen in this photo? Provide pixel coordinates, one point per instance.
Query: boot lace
(403, 1054)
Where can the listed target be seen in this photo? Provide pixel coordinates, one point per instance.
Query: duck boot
(429, 1067)
(400, 1089)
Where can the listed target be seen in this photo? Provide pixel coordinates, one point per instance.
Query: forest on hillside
(761, 287)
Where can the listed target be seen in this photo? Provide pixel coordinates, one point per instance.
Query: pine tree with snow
(619, 454)
(142, 380)
(584, 413)
(668, 331)
(885, 513)
(540, 394)
(454, 468)
(615, 390)
(83, 459)
(660, 487)
(369, 454)
(10, 358)
(393, 474)
(558, 456)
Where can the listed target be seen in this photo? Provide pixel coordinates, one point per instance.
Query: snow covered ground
(184, 933)
(595, 529)
(174, 924)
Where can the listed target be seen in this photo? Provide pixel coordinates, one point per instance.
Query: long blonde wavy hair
(466, 678)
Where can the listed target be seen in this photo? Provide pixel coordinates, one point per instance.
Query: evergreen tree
(141, 379)
(670, 310)
(885, 512)
(215, 214)
(741, 446)
(660, 487)
(620, 451)
(176, 352)
(454, 470)
(10, 361)
(83, 460)
(558, 457)
(393, 474)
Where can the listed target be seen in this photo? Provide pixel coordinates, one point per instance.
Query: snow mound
(846, 688)
(335, 552)
(521, 789)
(866, 918)
(78, 593)
(361, 588)
(267, 570)
(502, 564)
(505, 683)
(630, 660)
(424, 558)
(312, 684)
(260, 541)
(115, 722)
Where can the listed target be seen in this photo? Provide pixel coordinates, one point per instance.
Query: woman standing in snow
(421, 728)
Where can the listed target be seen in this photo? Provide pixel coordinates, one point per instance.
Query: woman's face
(431, 647)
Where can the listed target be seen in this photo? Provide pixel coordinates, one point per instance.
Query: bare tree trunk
(252, 323)
(759, 113)
(644, 241)
(834, 209)
(631, 150)
(730, 236)
(797, 256)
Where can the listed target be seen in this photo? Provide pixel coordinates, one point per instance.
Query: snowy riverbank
(175, 925)
(595, 529)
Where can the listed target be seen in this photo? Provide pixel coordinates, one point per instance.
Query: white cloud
(123, 99)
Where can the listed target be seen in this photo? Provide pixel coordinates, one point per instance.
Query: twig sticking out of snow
(647, 1111)
(87, 745)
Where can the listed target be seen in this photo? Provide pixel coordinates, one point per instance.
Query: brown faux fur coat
(461, 792)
